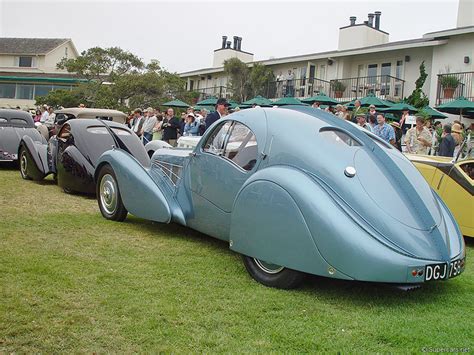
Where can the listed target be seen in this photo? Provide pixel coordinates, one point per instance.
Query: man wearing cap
(220, 112)
(148, 125)
(361, 121)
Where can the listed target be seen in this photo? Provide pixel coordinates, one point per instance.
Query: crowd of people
(422, 138)
(152, 124)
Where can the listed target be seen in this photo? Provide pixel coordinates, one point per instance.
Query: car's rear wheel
(108, 195)
(24, 163)
(272, 275)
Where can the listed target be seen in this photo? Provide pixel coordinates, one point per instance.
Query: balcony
(385, 87)
(452, 85)
(299, 88)
(214, 91)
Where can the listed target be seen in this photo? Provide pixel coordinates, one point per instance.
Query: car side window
(65, 132)
(241, 147)
(215, 142)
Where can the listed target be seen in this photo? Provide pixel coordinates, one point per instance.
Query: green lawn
(70, 281)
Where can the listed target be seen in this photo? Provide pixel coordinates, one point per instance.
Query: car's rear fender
(281, 215)
(140, 195)
(37, 157)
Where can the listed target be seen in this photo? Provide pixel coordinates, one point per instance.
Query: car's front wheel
(272, 275)
(108, 195)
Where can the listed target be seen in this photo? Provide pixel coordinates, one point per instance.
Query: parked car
(14, 124)
(71, 155)
(294, 190)
(453, 180)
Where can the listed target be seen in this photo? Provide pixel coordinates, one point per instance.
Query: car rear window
(339, 137)
(18, 122)
(103, 130)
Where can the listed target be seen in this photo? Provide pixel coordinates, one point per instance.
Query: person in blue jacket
(221, 109)
(191, 128)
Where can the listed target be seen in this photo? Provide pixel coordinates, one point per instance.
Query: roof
(418, 42)
(9, 114)
(80, 112)
(31, 46)
(41, 79)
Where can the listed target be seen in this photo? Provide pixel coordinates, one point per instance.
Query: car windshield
(466, 151)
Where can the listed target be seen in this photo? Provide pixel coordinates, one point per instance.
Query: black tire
(272, 275)
(23, 161)
(108, 195)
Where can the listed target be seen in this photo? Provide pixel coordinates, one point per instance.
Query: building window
(24, 92)
(386, 69)
(398, 69)
(25, 62)
(7, 91)
(42, 90)
(322, 71)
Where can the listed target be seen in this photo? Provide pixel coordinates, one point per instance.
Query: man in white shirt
(44, 114)
(148, 125)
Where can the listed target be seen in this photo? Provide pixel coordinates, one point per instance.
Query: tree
(418, 98)
(260, 77)
(119, 79)
(238, 74)
(57, 98)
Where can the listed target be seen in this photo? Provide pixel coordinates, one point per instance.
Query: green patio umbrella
(288, 101)
(429, 111)
(322, 99)
(176, 103)
(259, 101)
(457, 106)
(371, 99)
(400, 107)
(211, 101)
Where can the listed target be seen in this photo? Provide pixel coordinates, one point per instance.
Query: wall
(360, 36)
(49, 62)
(450, 57)
(221, 55)
(465, 13)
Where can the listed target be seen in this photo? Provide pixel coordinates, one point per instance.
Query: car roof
(9, 114)
(79, 112)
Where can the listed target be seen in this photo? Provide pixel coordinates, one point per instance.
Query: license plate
(442, 271)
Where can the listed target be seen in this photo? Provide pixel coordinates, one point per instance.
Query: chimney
(352, 19)
(224, 40)
(371, 20)
(377, 20)
(236, 39)
(228, 43)
(239, 43)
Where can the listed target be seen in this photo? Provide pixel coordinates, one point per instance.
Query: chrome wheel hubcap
(23, 164)
(269, 268)
(108, 194)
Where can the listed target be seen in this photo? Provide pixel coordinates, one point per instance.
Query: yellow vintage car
(453, 180)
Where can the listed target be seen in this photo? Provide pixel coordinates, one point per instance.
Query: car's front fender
(140, 195)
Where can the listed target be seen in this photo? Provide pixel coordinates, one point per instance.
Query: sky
(182, 35)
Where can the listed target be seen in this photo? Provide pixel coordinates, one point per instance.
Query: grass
(70, 281)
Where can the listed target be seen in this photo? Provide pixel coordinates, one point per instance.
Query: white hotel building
(364, 62)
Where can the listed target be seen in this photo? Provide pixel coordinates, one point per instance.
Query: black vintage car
(14, 124)
(71, 155)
